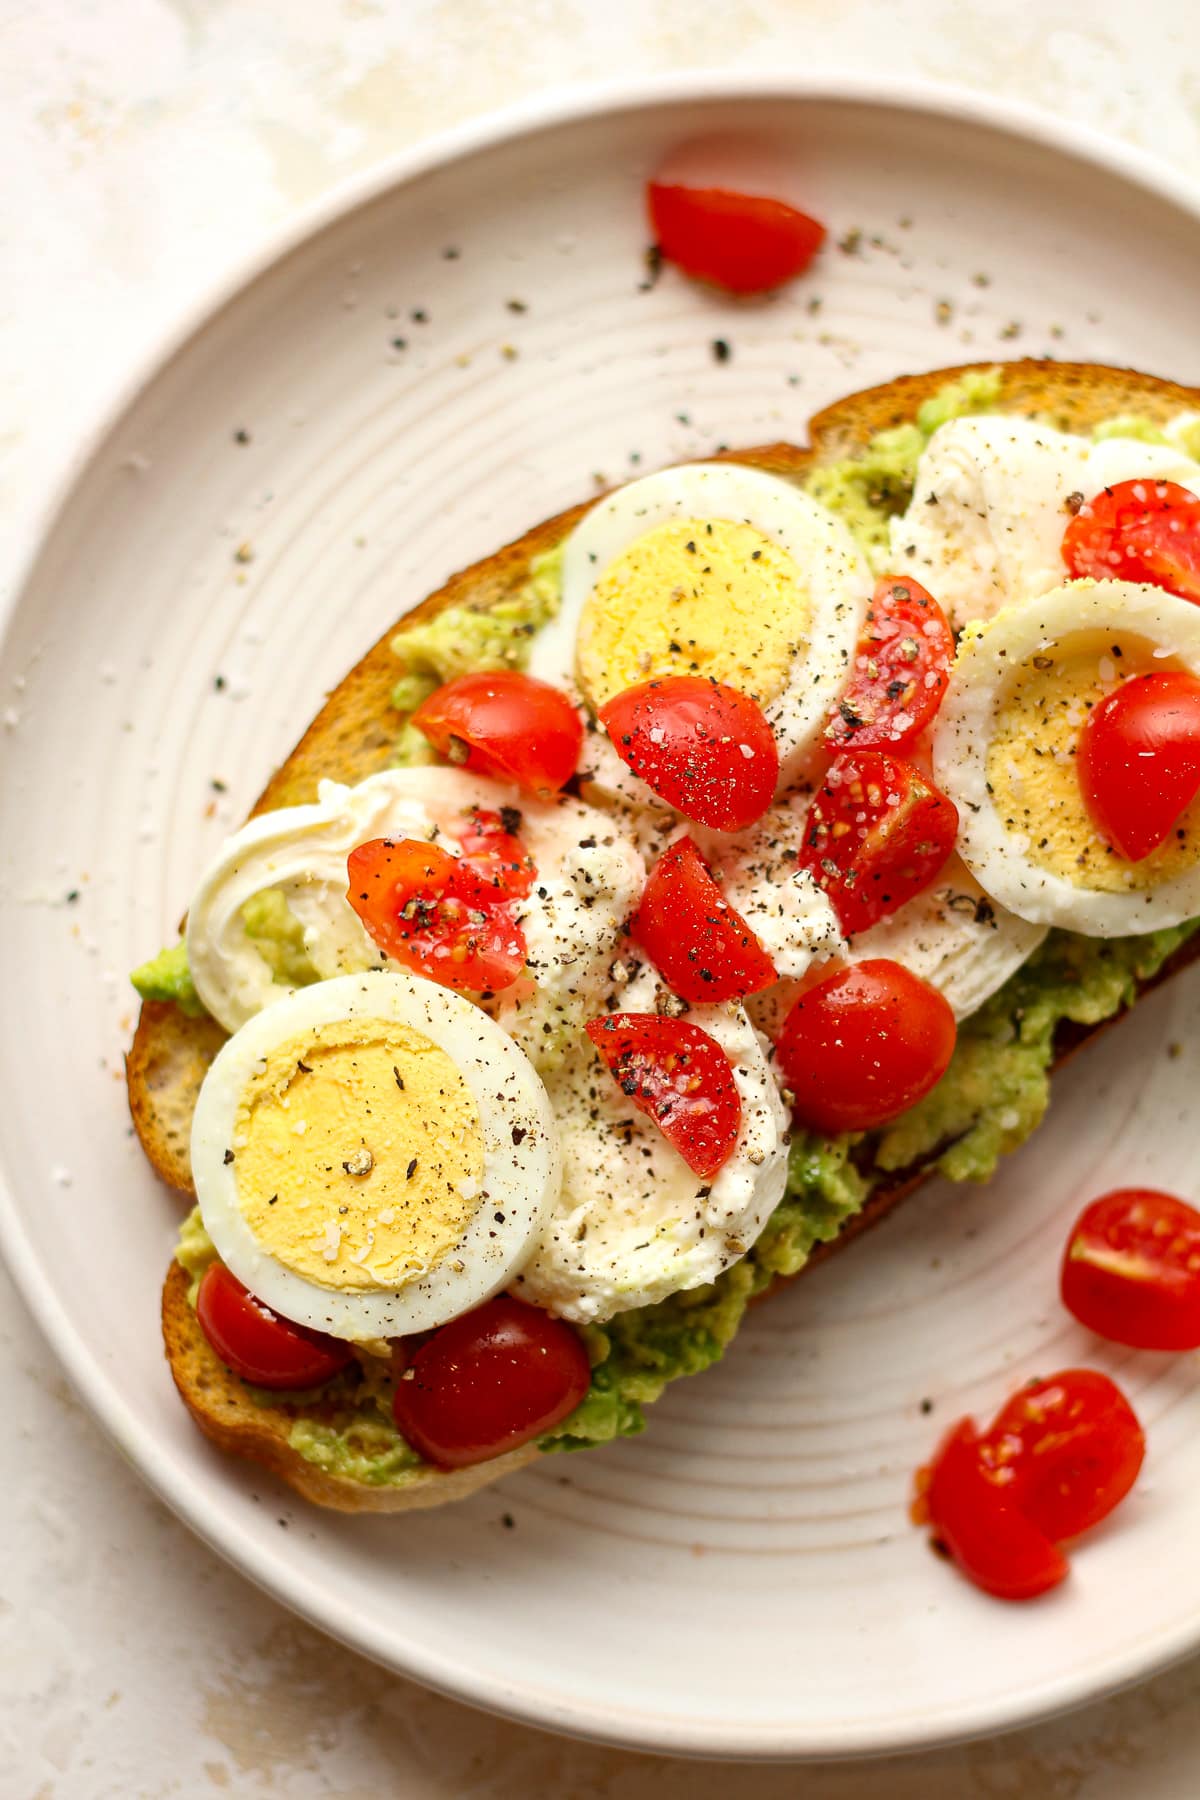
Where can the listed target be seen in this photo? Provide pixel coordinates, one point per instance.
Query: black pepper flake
(304, 1068)
(510, 820)
(411, 1170)
(722, 350)
(517, 306)
(219, 683)
(451, 253)
(653, 259)
(227, 1158)
(399, 1078)
(519, 1134)
(419, 316)
(507, 1521)
(218, 787)
(272, 1200)
(241, 435)
(72, 896)
(399, 343)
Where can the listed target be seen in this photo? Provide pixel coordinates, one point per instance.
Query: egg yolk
(1031, 764)
(695, 597)
(358, 1155)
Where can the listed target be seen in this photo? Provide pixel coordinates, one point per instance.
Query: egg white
(520, 1184)
(821, 547)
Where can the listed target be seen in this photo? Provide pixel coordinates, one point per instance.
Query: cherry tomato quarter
(900, 673)
(435, 913)
(877, 833)
(745, 243)
(865, 1044)
(1139, 760)
(1145, 531)
(1131, 1272)
(1065, 1451)
(680, 1077)
(993, 1543)
(491, 847)
(258, 1344)
(489, 1382)
(700, 945)
(704, 748)
(505, 724)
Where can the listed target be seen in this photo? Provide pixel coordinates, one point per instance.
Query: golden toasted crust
(353, 735)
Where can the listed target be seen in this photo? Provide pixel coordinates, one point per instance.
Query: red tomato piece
(994, 1544)
(1139, 760)
(435, 913)
(1138, 531)
(490, 846)
(678, 1075)
(700, 945)
(1065, 1451)
(746, 243)
(1131, 1272)
(704, 748)
(488, 1382)
(256, 1343)
(864, 1045)
(901, 670)
(505, 724)
(877, 833)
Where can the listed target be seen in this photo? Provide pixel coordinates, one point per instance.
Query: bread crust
(353, 735)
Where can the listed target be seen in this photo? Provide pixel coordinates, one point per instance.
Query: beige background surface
(144, 146)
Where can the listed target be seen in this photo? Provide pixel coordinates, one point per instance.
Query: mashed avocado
(167, 977)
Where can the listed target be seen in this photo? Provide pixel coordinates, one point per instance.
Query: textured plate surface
(443, 359)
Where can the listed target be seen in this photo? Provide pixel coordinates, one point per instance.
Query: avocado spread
(994, 1093)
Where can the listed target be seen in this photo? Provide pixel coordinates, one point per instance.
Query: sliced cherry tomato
(488, 1382)
(744, 242)
(704, 748)
(1065, 1451)
(680, 1077)
(876, 834)
(993, 1542)
(1139, 760)
(901, 670)
(1138, 531)
(435, 913)
(1131, 1272)
(490, 845)
(699, 944)
(256, 1343)
(505, 724)
(864, 1045)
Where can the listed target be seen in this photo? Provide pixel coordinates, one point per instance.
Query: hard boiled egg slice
(716, 570)
(287, 870)
(1004, 750)
(633, 1223)
(373, 1156)
(990, 506)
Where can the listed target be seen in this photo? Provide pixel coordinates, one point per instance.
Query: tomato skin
(435, 913)
(258, 1344)
(505, 724)
(701, 946)
(1139, 760)
(1145, 531)
(901, 670)
(745, 243)
(680, 1077)
(994, 1544)
(704, 748)
(877, 833)
(488, 1382)
(1065, 1451)
(1131, 1271)
(865, 1044)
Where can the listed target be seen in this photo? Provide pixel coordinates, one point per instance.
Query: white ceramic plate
(741, 1581)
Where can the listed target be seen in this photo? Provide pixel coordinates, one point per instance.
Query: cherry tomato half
(994, 1544)
(505, 724)
(1131, 1272)
(864, 1045)
(877, 833)
(704, 748)
(256, 1343)
(743, 242)
(678, 1075)
(492, 849)
(488, 1382)
(901, 670)
(699, 944)
(1138, 531)
(435, 913)
(1139, 760)
(1065, 1451)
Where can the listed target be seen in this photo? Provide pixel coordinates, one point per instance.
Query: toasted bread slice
(354, 735)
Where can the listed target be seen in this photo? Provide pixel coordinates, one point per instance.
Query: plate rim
(635, 1728)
